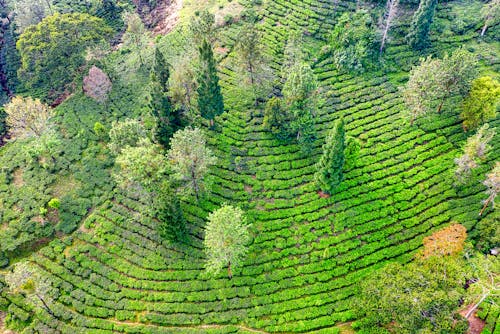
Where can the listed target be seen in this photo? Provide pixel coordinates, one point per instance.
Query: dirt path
(476, 325)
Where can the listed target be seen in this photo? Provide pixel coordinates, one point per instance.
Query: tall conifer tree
(210, 101)
(418, 38)
(168, 120)
(329, 174)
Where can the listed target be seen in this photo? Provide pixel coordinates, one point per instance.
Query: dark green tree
(329, 174)
(418, 38)
(53, 50)
(275, 118)
(354, 46)
(168, 119)
(161, 69)
(3, 125)
(167, 209)
(210, 101)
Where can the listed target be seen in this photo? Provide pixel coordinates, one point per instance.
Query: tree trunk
(440, 106)
(391, 12)
(195, 184)
(483, 31)
(485, 206)
(229, 272)
(46, 306)
(477, 305)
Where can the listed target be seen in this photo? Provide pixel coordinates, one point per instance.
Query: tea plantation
(112, 272)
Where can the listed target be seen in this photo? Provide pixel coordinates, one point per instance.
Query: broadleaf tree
(190, 159)
(481, 104)
(492, 183)
(27, 117)
(53, 50)
(434, 81)
(226, 239)
(26, 279)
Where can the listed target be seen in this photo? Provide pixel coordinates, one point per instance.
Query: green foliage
(100, 130)
(142, 167)
(422, 296)
(434, 81)
(481, 104)
(3, 125)
(168, 119)
(210, 101)
(354, 46)
(54, 203)
(293, 116)
(226, 239)
(352, 148)
(27, 117)
(53, 50)
(418, 38)
(252, 61)
(487, 233)
(161, 70)
(202, 27)
(190, 159)
(125, 133)
(330, 167)
(167, 209)
(275, 117)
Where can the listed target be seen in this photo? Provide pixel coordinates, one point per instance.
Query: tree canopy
(53, 50)
(226, 239)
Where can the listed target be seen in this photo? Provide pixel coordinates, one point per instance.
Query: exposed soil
(323, 195)
(163, 18)
(476, 325)
(18, 178)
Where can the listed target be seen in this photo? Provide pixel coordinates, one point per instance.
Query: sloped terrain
(115, 274)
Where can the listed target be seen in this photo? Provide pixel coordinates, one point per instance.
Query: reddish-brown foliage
(448, 241)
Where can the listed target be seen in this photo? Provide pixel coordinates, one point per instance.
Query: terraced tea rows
(308, 251)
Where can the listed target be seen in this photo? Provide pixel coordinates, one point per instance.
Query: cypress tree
(329, 174)
(168, 120)
(210, 101)
(161, 69)
(167, 209)
(418, 38)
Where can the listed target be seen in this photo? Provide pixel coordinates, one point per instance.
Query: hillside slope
(115, 274)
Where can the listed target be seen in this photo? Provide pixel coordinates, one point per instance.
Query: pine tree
(168, 120)
(210, 101)
(418, 38)
(329, 174)
(161, 69)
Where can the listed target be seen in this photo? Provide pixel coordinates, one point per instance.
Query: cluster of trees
(145, 170)
(354, 47)
(53, 50)
(434, 81)
(424, 296)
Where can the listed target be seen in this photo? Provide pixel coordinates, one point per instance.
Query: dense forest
(249, 166)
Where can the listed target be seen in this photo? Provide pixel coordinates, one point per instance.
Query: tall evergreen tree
(161, 69)
(168, 119)
(329, 174)
(210, 101)
(418, 38)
